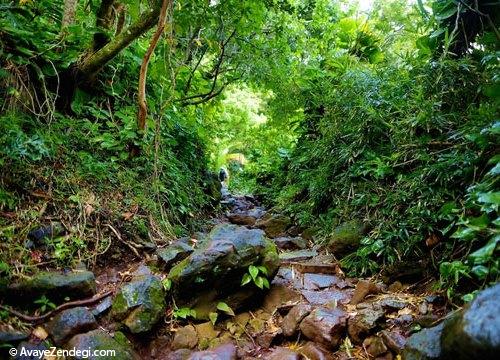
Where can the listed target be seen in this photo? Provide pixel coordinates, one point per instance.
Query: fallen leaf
(40, 333)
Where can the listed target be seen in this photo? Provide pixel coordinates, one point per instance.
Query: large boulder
(474, 332)
(140, 304)
(88, 343)
(70, 322)
(325, 326)
(346, 237)
(214, 271)
(54, 285)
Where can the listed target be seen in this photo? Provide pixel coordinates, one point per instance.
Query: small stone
(313, 351)
(274, 225)
(278, 296)
(393, 340)
(364, 322)
(374, 346)
(364, 288)
(185, 338)
(290, 243)
(206, 332)
(70, 322)
(325, 326)
(292, 320)
(396, 286)
(242, 219)
(422, 308)
(281, 353)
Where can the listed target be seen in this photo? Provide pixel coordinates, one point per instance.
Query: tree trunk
(69, 13)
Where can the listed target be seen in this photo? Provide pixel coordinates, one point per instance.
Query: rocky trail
(250, 288)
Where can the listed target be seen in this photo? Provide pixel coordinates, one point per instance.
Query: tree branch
(93, 63)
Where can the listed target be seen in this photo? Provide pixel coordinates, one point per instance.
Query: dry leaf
(40, 333)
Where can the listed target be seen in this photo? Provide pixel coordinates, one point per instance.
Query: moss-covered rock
(140, 304)
(274, 225)
(99, 340)
(219, 263)
(54, 285)
(173, 253)
(346, 237)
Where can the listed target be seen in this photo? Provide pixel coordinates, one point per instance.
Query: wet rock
(185, 338)
(374, 346)
(475, 332)
(173, 253)
(292, 320)
(70, 322)
(140, 304)
(100, 340)
(393, 340)
(312, 351)
(267, 338)
(364, 322)
(325, 326)
(8, 335)
(26, 348)
(181, 354)
(281, 353)
(221, 352)
(242, 219)
(424, 345)
(364, 288)
(103, 307)
(221, 260)
(275, 225)
(289, 243)
(54, 285)
(40, 234)
(346, 237)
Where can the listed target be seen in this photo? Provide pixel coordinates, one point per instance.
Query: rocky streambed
(251, 288)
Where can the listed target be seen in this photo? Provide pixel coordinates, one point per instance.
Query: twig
(37, 319)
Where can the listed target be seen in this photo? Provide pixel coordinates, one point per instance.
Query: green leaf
(167, 284)
(262, 269)
(254, 271)
(222, 306)
(266, 283)
(213, 317)
(246, 279)
(259, 281)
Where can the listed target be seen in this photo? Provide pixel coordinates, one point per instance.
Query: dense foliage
(332, 113)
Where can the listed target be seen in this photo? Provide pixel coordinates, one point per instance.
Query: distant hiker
(223, 175)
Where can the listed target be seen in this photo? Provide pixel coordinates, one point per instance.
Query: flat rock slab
(55, 286)
(297, 255)
(328, 296)
(322, 281)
